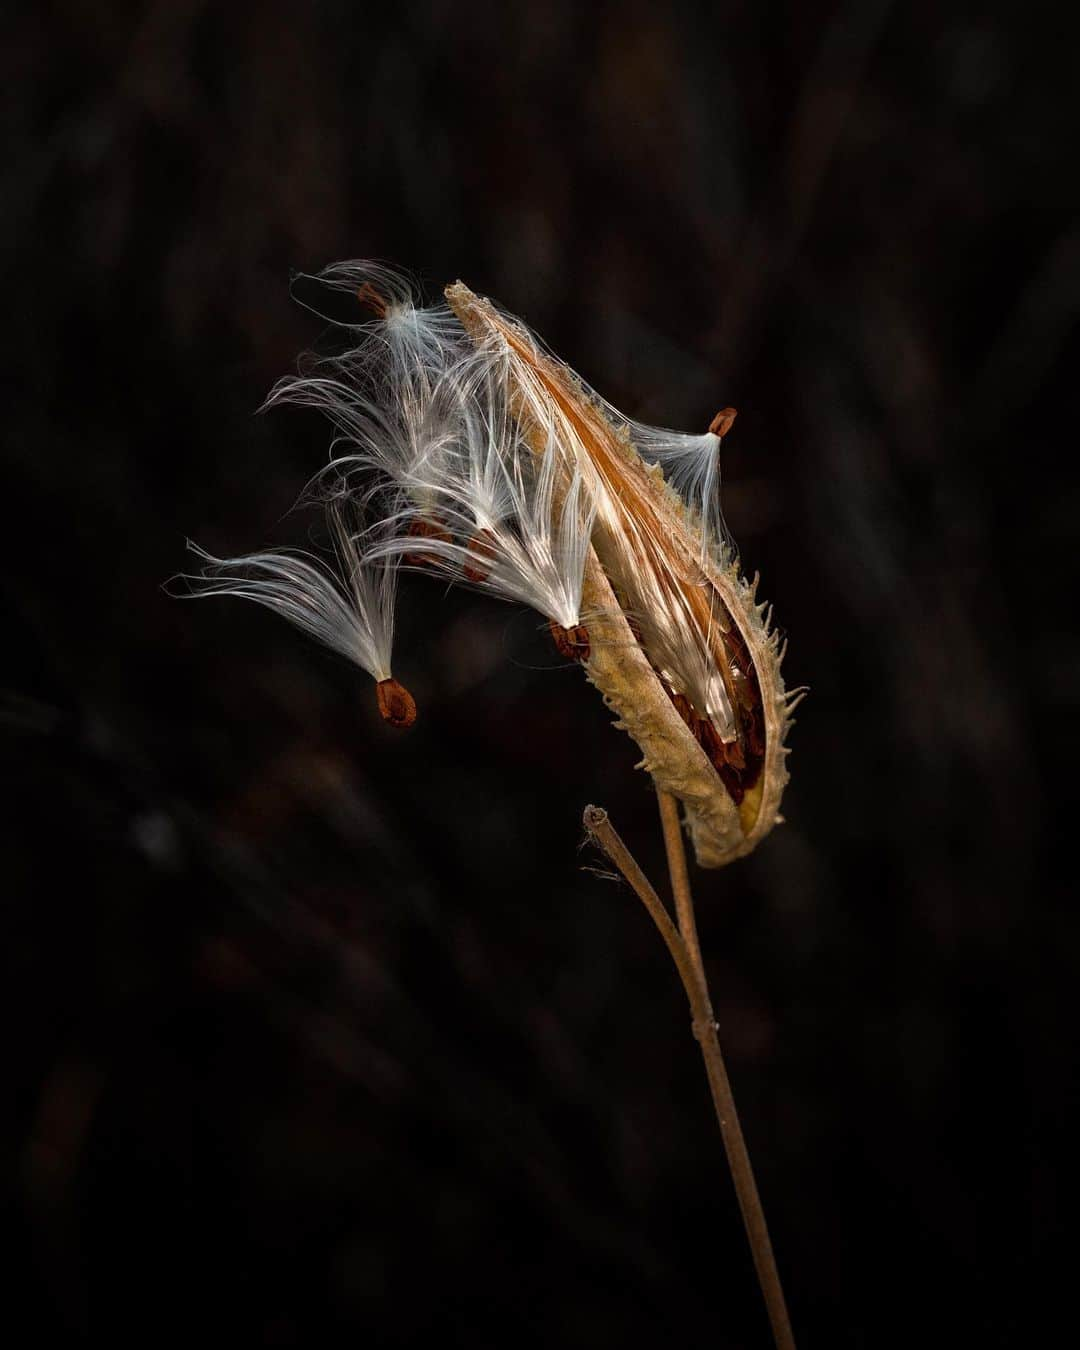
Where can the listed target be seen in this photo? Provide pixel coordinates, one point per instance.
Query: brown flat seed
(481, 549)
(729, 753)
(425, 529)
(572, 643)
(396, 704)
(723, 422)
(373, 299)
(684, 708)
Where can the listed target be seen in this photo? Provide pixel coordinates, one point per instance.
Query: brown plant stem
(682, 943)
(680, 880)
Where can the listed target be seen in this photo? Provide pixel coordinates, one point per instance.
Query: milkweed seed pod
(696, 680)
(465, 449)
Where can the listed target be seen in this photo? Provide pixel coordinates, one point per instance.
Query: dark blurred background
(323, 1033)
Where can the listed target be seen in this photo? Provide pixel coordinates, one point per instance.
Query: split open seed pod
(678, 645)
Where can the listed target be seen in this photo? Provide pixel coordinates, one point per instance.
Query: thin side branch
(605, 835)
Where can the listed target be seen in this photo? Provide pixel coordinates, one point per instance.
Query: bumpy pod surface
(729, 771)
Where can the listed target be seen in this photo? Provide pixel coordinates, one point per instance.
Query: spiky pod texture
(642, 521)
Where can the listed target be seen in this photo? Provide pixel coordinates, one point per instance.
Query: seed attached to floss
(481, 550)
(683, 707)
(396, 704)
(572, 643)
(426, 528)
(372, 299)
(723, 422)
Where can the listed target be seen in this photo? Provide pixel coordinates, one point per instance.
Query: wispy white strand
(521, 537)
(352, 613)
(355, 278)
(394, 399)
(691, 465)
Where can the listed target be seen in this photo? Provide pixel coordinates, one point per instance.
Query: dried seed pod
(697, 613)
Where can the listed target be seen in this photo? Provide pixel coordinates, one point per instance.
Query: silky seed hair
(347, 604)
(691, 466)
(421, 417)
(392, 397)
(515, 522)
